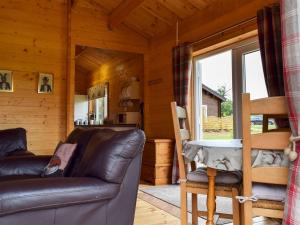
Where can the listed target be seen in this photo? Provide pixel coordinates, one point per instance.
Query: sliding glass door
(220, 78)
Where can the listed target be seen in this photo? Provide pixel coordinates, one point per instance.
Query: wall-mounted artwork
(45, 84)
(6, 81)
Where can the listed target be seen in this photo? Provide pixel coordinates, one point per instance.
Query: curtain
(269, 33)
(290, 23)
(182, 68)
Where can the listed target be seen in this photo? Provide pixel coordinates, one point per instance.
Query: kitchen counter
(112, 126)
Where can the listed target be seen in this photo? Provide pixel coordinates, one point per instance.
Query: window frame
(238, 50)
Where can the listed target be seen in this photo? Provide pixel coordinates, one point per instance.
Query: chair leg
(235, 207)
(247, 213)
(194, 209)
(183, 202)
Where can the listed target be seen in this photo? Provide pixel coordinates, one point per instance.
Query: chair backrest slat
(270, 140)
(275, 175)
(269, 106)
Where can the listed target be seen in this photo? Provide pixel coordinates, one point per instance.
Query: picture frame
(6, 81)
(45, 83)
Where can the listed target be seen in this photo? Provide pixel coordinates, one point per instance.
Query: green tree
(226, 106)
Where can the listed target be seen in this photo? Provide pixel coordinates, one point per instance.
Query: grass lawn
(225, 135)
(218, 135)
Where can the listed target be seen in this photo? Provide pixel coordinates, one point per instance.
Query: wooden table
(211, 196)
(216, 155)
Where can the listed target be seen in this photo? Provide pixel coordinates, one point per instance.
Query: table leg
(211, 196)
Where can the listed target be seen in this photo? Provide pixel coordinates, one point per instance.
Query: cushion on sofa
(12, 140)
(60, 160)
(269, 192)
(223, 177)
(81, 137)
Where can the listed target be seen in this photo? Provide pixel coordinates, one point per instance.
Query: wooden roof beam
(74, 3)
(119, 14)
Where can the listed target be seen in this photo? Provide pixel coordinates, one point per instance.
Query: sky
(217, 71)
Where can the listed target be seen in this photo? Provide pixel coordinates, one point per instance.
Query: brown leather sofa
(13, 143)
(100, 187)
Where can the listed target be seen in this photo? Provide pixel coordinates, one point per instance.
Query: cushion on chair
(269, 192)
(223, 177)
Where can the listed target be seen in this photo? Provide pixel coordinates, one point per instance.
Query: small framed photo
(6, 81)
(45, 84)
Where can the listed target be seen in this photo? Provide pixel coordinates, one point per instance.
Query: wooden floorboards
(153, 211)
(147, 214)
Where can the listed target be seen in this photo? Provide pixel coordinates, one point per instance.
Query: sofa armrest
(26, 165)
(44, 193)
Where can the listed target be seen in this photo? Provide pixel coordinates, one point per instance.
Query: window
(220, 78)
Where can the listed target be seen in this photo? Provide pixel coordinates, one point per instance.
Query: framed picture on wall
(6, 81)
(45, 85)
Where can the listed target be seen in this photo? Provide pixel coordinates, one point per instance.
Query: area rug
(171, 195)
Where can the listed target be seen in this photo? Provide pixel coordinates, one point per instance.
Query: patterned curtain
(182, 69)
(290, 23)
(269, 33)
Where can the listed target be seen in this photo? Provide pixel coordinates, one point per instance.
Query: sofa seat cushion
(270, 192)
(223, 177)
(35, 194)
(19, 154)
(12, 140)
(17, 177)
(26, 165)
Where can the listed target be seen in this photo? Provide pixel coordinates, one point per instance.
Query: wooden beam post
(119, 14)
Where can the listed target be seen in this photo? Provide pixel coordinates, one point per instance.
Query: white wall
(81, 107)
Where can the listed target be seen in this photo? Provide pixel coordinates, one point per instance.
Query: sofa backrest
(109, 154)
(81, 137)
(12, 140)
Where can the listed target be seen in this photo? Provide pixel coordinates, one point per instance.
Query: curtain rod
(226, 29)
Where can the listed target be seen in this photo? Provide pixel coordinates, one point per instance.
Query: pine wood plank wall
(89, 28)
(33, 39)
(159, 83)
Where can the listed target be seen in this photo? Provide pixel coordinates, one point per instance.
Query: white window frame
(238, 82)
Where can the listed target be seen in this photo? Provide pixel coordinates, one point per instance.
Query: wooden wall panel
(82, 82)
(116, 73)
(158, 95)
(32, 40)
(89, 28)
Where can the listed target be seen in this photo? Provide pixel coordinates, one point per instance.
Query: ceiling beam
(74, 3)
(119, 14)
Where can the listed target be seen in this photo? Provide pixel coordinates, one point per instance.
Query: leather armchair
(100, 189)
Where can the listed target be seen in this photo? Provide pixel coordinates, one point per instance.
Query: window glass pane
(216, 95)
(255, 80)
(256, 86)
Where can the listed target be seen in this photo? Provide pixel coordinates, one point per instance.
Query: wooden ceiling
(90, 59)
(147, 17)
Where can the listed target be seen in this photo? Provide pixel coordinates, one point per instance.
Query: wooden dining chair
(267, 181)
(189, 182)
